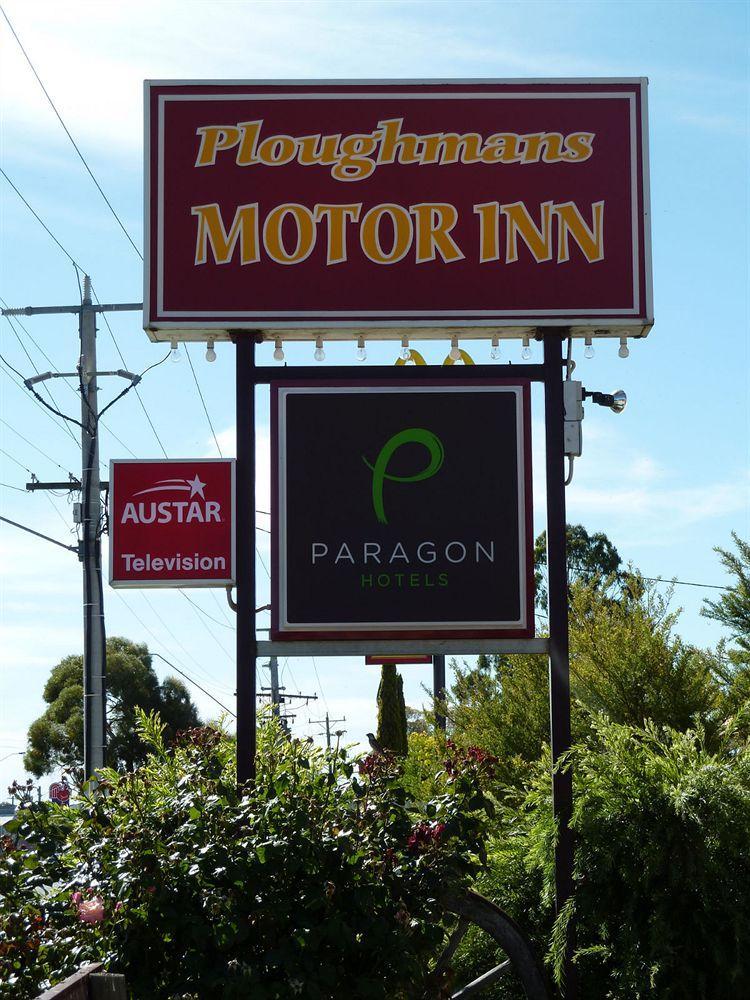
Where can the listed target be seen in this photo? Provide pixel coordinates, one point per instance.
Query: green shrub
(318, 880)
(663, 867)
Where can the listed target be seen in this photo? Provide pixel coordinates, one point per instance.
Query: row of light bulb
(405, 353)
(454, 354)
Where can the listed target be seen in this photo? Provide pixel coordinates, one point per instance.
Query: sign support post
(438, 684)
(247, 649)
(559, 658)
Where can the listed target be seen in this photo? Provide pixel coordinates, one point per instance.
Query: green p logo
(413, 435)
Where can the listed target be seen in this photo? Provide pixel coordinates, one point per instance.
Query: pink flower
(91, 911)
(118, 906)
(76, 897)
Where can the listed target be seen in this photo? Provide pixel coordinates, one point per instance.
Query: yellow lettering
(434, 224)
(354, 163)
(590, 241)
(250, 132)
(502, 147)
(393, 141)
(336, 217)
(211, 232)
(213, 139)
(273, 239)
(277, 150)
(447, 147)
(579, 147)
(402, 234)
(489, 225)
(521, 224)
(318, 149)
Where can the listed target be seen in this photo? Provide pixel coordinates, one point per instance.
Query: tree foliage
(626, 663)
(321, 879)
(662, 901)
(55, 739)
(392, 730)
(591, 558)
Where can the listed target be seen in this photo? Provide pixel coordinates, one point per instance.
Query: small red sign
(171, 523)
(373, 661)
(59, 791)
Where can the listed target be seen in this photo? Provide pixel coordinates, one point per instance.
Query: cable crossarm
(71, 548)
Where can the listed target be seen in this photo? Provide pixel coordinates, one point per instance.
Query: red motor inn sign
(171, 523)
(384, 205)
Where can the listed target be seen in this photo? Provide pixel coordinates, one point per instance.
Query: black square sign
(402, 510)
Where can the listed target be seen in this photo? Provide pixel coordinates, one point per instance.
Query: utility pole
(94, 640)
(328, 722)
(89, 549)
(279, 696)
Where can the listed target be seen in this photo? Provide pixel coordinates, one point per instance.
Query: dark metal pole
(438, 687)
(247, 649)
(559, 662)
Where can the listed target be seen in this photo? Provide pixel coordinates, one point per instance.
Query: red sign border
(528, 631)
(172, 584)
(637, 323)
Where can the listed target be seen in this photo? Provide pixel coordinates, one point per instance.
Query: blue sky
(667, 480)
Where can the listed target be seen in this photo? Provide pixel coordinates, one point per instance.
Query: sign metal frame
(636, 321)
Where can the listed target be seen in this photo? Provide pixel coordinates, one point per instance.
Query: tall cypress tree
(392, 710)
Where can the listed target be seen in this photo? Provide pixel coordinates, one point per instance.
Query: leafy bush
(319, 879)
(663, 867)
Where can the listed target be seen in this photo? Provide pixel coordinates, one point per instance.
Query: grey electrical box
(77, 513)
(573, 403)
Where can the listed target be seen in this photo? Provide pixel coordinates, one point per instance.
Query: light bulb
(495, 349)
(320, 354)
(278, 354)
(588, 351)
(526, 352)
(175, 357)
(624, 351)
(455, 350)
(361, 350)
(405, 352)
(210, 352)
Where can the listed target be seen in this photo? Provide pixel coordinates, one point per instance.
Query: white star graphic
(196, 486)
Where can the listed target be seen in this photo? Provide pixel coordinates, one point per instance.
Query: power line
(684, 583)
(37, 216)
(186, 651)
(33, 365)
(69, 386)
(67, 132)
(8, 486)
(154, 653)
(20, 464)
(138, 395)
(317, 676)
(205, 408)
(218, 642)
(34, 446)
(204, 613)
(189, 678)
